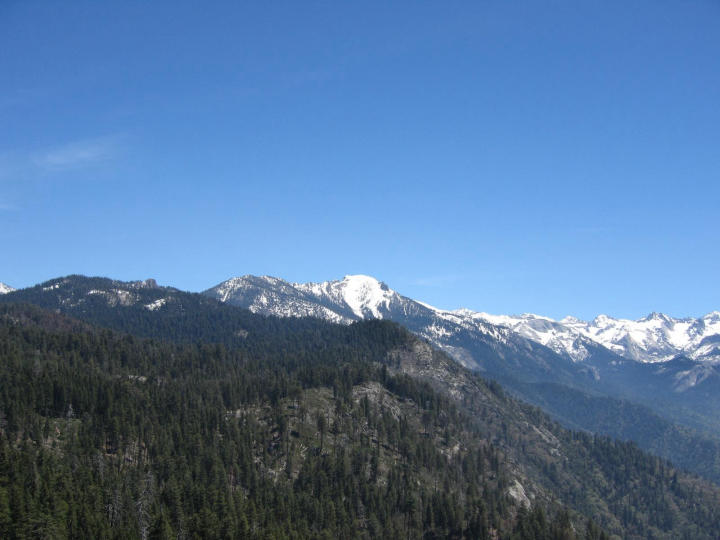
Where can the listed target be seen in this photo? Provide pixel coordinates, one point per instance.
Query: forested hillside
(145, 309)
(667, 408)
(296, 428)
(108, 436)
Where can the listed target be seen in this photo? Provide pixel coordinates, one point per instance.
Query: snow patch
(157, 304)
(4, 289)
(654, 338)
(365, 294)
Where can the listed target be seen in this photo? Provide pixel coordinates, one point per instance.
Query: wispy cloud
(78, 154)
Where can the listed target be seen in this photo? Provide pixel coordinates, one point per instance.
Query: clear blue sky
(556, 157)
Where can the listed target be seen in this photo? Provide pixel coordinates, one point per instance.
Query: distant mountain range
(655, 338)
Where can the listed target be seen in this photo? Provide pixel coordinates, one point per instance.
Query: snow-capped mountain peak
(4, 289)
(656, 337)
(658, 317)
(352, 298)
(599, 320)
(359, 296)
(365, 294)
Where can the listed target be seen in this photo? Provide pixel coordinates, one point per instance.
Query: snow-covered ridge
(358, 297)
(655, 338)
(364, 295)
(352, 298)
(4, 289)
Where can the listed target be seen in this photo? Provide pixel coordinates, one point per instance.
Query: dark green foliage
(108, 436)
(183, 317)
(625, 420)
(296, 429)
(193, 318)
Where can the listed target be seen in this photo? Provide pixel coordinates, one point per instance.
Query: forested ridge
(296, 428)
(108, 436)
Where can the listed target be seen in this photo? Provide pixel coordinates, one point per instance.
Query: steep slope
(528, 348)
(347, 431)
(472, 342)
(529, 355)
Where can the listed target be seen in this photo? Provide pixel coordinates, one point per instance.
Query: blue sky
(554, 157)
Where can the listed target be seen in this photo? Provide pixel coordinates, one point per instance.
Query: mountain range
(654, 338)
(683, 352)
(658, 371)
(667, 407)
(180, 412)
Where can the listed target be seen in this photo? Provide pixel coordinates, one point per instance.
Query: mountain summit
(352, 298)
(469, 339)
